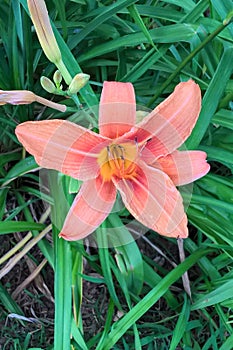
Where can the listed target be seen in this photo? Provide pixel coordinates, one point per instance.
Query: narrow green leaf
(63, 262)
(21, 168)
(227, 344)
(181, 324)
(216, 296)
(152, 279)
(78, 336)
(19, 226)
(18, 23)
(3, 194)
(136, 16)
(130, 254)
(105, 264)
(7, 301)
(167, 34)
(223, 118)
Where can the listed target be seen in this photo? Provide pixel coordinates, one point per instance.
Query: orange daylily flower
(141, 161)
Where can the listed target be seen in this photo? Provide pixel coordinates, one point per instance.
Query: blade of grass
(227, 344)
(105, 264)
(19, 226)
(181, 324)
(24, 166)
(167, 34)
(63, 264)
(9, 304)
(138, 20)
(216, 296)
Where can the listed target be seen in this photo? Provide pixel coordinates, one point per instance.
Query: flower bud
(25, 97)
(78, 82)
(16, 97)
(40, 19)
(57, 78)
(48, 85)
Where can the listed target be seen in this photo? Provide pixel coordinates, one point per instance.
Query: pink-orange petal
(183, 167)
(91, 206)
(62, 145)
(170, 124)
(154, 201)
(117, 110)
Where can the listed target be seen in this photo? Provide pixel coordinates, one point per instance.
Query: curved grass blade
(19, 226)
(63, 263)
(181, 324)
(24, 166)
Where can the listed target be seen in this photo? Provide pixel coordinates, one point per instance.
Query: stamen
(136, 142)
(122, 152)
(143, 144)
(118, 160)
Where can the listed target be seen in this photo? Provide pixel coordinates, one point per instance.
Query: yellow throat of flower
(118, 160)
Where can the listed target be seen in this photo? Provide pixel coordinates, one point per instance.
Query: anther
(108, 150)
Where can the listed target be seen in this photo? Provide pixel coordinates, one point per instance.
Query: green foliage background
(154, 45)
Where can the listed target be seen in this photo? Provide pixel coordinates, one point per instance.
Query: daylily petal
(154, 201)
(117, 110)
(183, 167)
(169, 124)
(63, 146)
(89, 209)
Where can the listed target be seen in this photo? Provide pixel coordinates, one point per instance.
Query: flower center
(118, 160)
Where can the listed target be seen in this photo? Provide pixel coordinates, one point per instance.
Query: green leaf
(216, 296)
(224, 118)
(7, 301)
(3, 194)
(63, 262)
(181, 324)
(21, 168)
(167, 34)
(19, 226)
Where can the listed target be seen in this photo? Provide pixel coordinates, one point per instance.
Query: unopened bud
(40, 19)
(17, 97)
(57, 78)
(48, 85)
(78, 82)
(25, 97)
